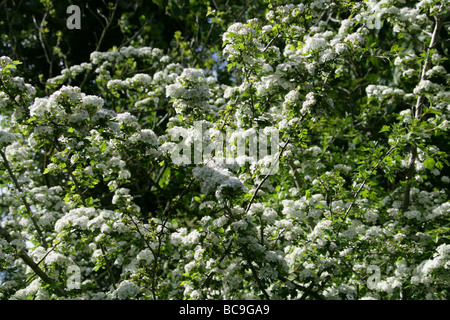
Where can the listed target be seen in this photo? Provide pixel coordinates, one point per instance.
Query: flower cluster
(190, 91)
(218, 179)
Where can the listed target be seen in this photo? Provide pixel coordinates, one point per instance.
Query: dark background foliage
(35, 31)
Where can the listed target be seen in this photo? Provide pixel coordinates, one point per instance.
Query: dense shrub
(113, 192)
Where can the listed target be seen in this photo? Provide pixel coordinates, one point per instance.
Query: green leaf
(396, 48)
(10, 66)
(67, 198)
(96, 268)
(429, 163)
(231, 65)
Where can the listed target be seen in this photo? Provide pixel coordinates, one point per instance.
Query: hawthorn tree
(104, 195)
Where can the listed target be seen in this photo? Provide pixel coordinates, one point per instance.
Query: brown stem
(417, 111)
(24, 200)
(34, 266)
(267, 176)
(108, 266)
(363, 184)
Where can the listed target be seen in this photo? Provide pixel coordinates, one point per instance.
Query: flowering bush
(96, 206)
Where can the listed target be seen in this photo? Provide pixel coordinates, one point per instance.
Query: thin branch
(302, 288)
(153, 253)
(227, 250)
(249, 262)
(271, 42)
(267, 176)
(35, 267)
(363, 184)
(255, 275)
(43, 44)
(108, 267)
(296, 176)
(136, 33)
(99, 43)
(24, 200)
(417, 111)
